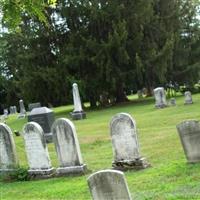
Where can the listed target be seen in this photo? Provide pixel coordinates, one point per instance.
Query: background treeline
(106, 46)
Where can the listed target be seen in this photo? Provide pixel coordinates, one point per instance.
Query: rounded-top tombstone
(108, 185)
(67, 147)
(125, 143)
(45, 118)
(36, 151)
(188, 98)
(8, 157)
(160, 97)
(189, 133)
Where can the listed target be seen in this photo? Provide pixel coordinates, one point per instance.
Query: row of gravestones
(125, 149)
(161, 101)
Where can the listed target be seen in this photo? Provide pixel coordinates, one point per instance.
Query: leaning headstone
(36, 151)
(13, 110)
(45, 118)
(107, 185)
(172, 102)
(188, 97)
(67, 147)
(189, 133)
(78, 112)
(160, 97)
(31, 106)
(22, 113)
(8, 158)
(125, 143)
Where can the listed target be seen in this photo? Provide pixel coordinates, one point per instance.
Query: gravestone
(189, 133)
(22, 113)
(5, 113)
(67, 147)
(125, 143)
(108, 185)
(8, 158)
(160, 97)
(45, 118)
(36, 151)
(13, 110)
(31, 106)
(173, 102)
(78, 112)
(188, 98)
(140, 94)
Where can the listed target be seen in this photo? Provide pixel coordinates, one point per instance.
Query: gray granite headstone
(67, 147)
(172, 102)
(45, 118)
(31, 106)
(22, 113)
(140, 94)
(13, 110)
(108, 185)
(8, 158)
(189, 133)
(36, 151)
(5, 113)
(188, 97)
(160, 97)
(125, 143)
(78, 112)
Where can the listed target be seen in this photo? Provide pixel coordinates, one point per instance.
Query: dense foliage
(107, 47)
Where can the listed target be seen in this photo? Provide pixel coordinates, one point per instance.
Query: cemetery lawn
(170, 177)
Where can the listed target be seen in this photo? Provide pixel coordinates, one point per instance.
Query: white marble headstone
(67, 147)
(8, 158)
(108, 185)
(189, 133)
(160, 97)
(76, 98)
(36, 148)
(188, 97)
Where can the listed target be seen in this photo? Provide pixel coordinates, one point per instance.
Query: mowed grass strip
(170, 177)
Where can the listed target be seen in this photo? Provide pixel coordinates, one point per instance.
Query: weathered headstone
(5, 113)
(140, 94)
(189, 133)
(36, 151)
(125, 143)
(173, 102)
(160, 97)
(8, 158)
(67, 147)
(45, 118)
(22, 113)
(188, 97)
(108, 185)
(13, 110)
(31, 106)
(78, 112)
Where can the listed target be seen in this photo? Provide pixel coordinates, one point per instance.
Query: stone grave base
(161, 106)
(21, 116)
(41, 173)
(6, 171)
(188, 103)
(61, 171)
(136, 164)
(78, 115)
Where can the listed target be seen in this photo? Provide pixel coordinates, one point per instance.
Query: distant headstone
(67, 147)
(8, 158)
(22, 113)
(5, 113)
(189, 133)
(140, 94)
(31, 106)
(160, 97)
(45, 118)
(173, 102)
(13, 110)
(188, 97)
(125, 143)
(36, 151)
(107, 185)
(78, 112)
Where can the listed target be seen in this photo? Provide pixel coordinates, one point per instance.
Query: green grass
(170, 177)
